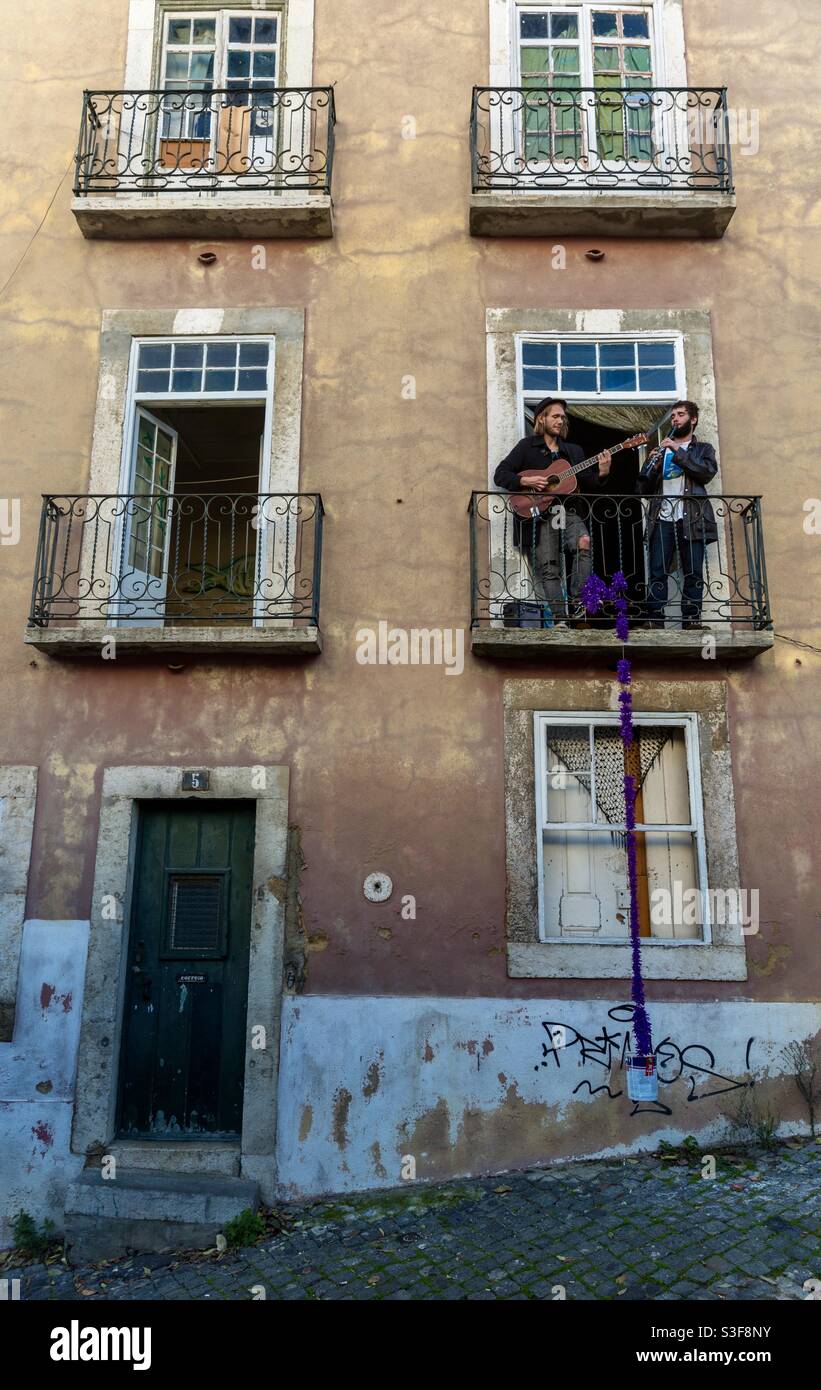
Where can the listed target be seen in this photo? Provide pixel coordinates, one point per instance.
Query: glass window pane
(204, 30)
(568, 774)
(265, 30)
(564, 26)
(534, 60)
(155, 354)
(657, 379)
(578, 354)
(252, 380)
(239, 63)
(540, 354)
(540, 379)
(605, 24)
(578, 379)
(656, 354)
(179, 30)
(635, 26)
(565, 59)
(253, 354)
(265, 65)
(202, 66)
(176, 65)
(220, 379)
(239, 31)
(165, 445)
(221, 354)
(605, 59)
(152, 381)
(617, 354)
(618, 379)
(188, 354)
(185, 381)
(637, 59)
(533, 26)
(665, 788)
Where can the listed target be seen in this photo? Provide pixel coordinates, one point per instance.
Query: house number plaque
(196, 780)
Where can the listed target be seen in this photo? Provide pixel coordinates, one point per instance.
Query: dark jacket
(530, 455)
(699, 465)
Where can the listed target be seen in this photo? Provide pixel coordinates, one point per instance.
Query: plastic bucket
(642, 1078)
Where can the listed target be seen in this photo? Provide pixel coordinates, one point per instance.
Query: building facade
(314, 862)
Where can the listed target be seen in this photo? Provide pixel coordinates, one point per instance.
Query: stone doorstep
(149, 1210)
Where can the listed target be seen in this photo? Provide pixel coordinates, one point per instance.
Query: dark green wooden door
(184, 1028)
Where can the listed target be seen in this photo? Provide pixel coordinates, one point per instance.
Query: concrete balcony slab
(266, 215)
(620, 213)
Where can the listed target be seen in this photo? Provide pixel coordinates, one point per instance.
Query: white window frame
(601, 397)
(609, 719)
(585, 10)
(146, 29)
(221, 15)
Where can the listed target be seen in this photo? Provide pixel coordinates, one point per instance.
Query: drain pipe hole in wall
(377, 888)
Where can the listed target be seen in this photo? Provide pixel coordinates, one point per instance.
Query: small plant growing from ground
(688, 1151)
(751, 1118)
(245, 1229)
(31, 1241)
(804, 1063)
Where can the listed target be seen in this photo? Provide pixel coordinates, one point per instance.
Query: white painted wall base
(471, 1086)
(38, 1070)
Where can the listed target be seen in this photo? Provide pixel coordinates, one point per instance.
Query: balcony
(630, 162)
(511, 618)
(178, 573)
(206, 163)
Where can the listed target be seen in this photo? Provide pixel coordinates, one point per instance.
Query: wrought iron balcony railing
(518, 579)
(617, 139)
(242, 139)
(179, 559)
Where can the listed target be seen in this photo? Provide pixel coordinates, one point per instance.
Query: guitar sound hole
(553, 480)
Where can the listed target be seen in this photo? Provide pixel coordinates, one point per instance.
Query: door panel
(184, 1028)
(143, 579)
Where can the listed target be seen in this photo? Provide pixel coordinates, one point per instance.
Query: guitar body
(562, 479)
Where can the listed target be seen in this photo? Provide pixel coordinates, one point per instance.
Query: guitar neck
(585, 463)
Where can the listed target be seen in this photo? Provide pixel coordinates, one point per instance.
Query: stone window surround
(18, 792)
(145, 21)
(668, 28)
(118, 329)
(723, 958)
(95, 1112)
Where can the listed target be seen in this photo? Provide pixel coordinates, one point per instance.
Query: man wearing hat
(562, 528)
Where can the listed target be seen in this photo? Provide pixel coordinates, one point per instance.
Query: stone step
(148, 1210)
(168, 1157)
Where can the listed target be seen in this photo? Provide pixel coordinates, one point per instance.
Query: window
(231, 50)
(586, 368)
(587, 47)
(581, 829)
(209, 367)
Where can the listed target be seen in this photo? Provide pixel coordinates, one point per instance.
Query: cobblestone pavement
(641, 1228)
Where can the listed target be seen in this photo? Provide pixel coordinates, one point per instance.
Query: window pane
(239, 31)
(577, 380)
(656, 354)
(176, 65)
(568, 774)
(179, 30)
(676, 904)
(657, 379)
(585, 885)
(221, 354)
(578, 354)
(155, 355)
(617, 354)
(253, 354)
(220, 379)
(152, 381)
(665, 788)
(637, 59)
(540, 354)
(239, 63)
(252, 380)
(635, 26)
(534, 60)
(540, 379)
(202, 66)
(185, 381)
(564, 26)
(604, 24)
(533, 26)
(265, 65)
(565, 59)
(618, 379)
(605, 59)
(204, 30)
(165, 445)
(265, 30)
(188, 354)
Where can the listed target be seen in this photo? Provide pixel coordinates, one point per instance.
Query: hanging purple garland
(594, 594)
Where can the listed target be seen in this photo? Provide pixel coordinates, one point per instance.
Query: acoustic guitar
(561, 479)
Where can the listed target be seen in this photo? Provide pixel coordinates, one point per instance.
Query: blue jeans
(667, 540)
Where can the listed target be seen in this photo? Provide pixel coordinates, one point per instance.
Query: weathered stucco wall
(400, 769)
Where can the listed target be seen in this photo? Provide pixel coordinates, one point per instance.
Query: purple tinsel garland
(594, 594)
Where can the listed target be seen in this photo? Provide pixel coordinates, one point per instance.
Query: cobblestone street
(644, 1228)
